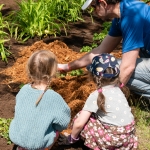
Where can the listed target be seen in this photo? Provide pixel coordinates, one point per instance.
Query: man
(131, 24)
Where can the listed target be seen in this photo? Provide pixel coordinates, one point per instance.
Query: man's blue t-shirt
(133, 26)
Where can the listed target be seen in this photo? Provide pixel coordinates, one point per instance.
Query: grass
(143, 133)
(141, 110)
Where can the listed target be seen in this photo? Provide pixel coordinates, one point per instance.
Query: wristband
(72, 140)
(99, 90)
(122, 85)
(69, 69)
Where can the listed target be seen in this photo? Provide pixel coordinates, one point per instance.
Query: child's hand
(66, 139)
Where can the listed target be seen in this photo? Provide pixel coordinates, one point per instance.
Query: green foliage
(4, 129)
(97, 37)
(77, 72)
(42, 17)
(104, 32)
(3, 38)
(141, 111)
(146, 1)
(67, 10)
(94, 45)
(106, 25)
(21, 85)
(86, 49)
(100, 36)
(62, 75)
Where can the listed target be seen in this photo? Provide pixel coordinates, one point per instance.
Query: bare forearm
(125, 74)
(127, 65)
(107, 46)
(76, 131)
(85, 60)
(79, 123)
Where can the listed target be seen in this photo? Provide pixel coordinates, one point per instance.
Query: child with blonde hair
(40, 112)
(106, 121)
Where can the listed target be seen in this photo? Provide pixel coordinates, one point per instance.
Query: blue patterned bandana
(101, 62)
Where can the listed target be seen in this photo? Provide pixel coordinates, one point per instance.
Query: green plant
(42, 17)
(97, 37)
(94, 45)
(106, 25)
(66, 10)
(62, 75)
(21, 85)
(104, 32)
(77, 72)
(146, 1)
(33, 19)
(86, 49)
(4, 129)
(3, 38)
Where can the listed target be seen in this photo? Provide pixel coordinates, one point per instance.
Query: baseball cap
(101, 62)
(86, 4)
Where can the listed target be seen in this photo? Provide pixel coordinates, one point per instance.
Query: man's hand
(63, 67)
(66, 139)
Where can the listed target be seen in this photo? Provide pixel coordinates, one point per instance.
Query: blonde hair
(103, 81)
(41, 67)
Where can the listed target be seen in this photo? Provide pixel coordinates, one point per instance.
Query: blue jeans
(140, 79)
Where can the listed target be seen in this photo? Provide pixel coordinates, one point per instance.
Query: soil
(74, 90)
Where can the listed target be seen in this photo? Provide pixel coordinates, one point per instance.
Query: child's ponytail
(40, 97)
(101, 100)
(125, 90)
(101, 97)
(46, 88)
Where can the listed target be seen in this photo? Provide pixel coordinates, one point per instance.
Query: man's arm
(107, 46)
(127, 65)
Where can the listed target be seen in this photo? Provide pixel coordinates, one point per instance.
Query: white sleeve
(91, 103)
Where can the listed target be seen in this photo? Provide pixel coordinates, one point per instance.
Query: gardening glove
(63, 67)
(66, 139)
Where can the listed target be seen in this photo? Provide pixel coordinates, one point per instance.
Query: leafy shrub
(104, 32)
(86, 49)
(146, 1)
(97, 37)
(43, 17)
(3, 38)
(4, 129)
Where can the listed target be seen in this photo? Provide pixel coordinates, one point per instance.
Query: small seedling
(21, 85)
(4, 129)
(97, 37)
(86, 49)
(62, 75)
(77, 72)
